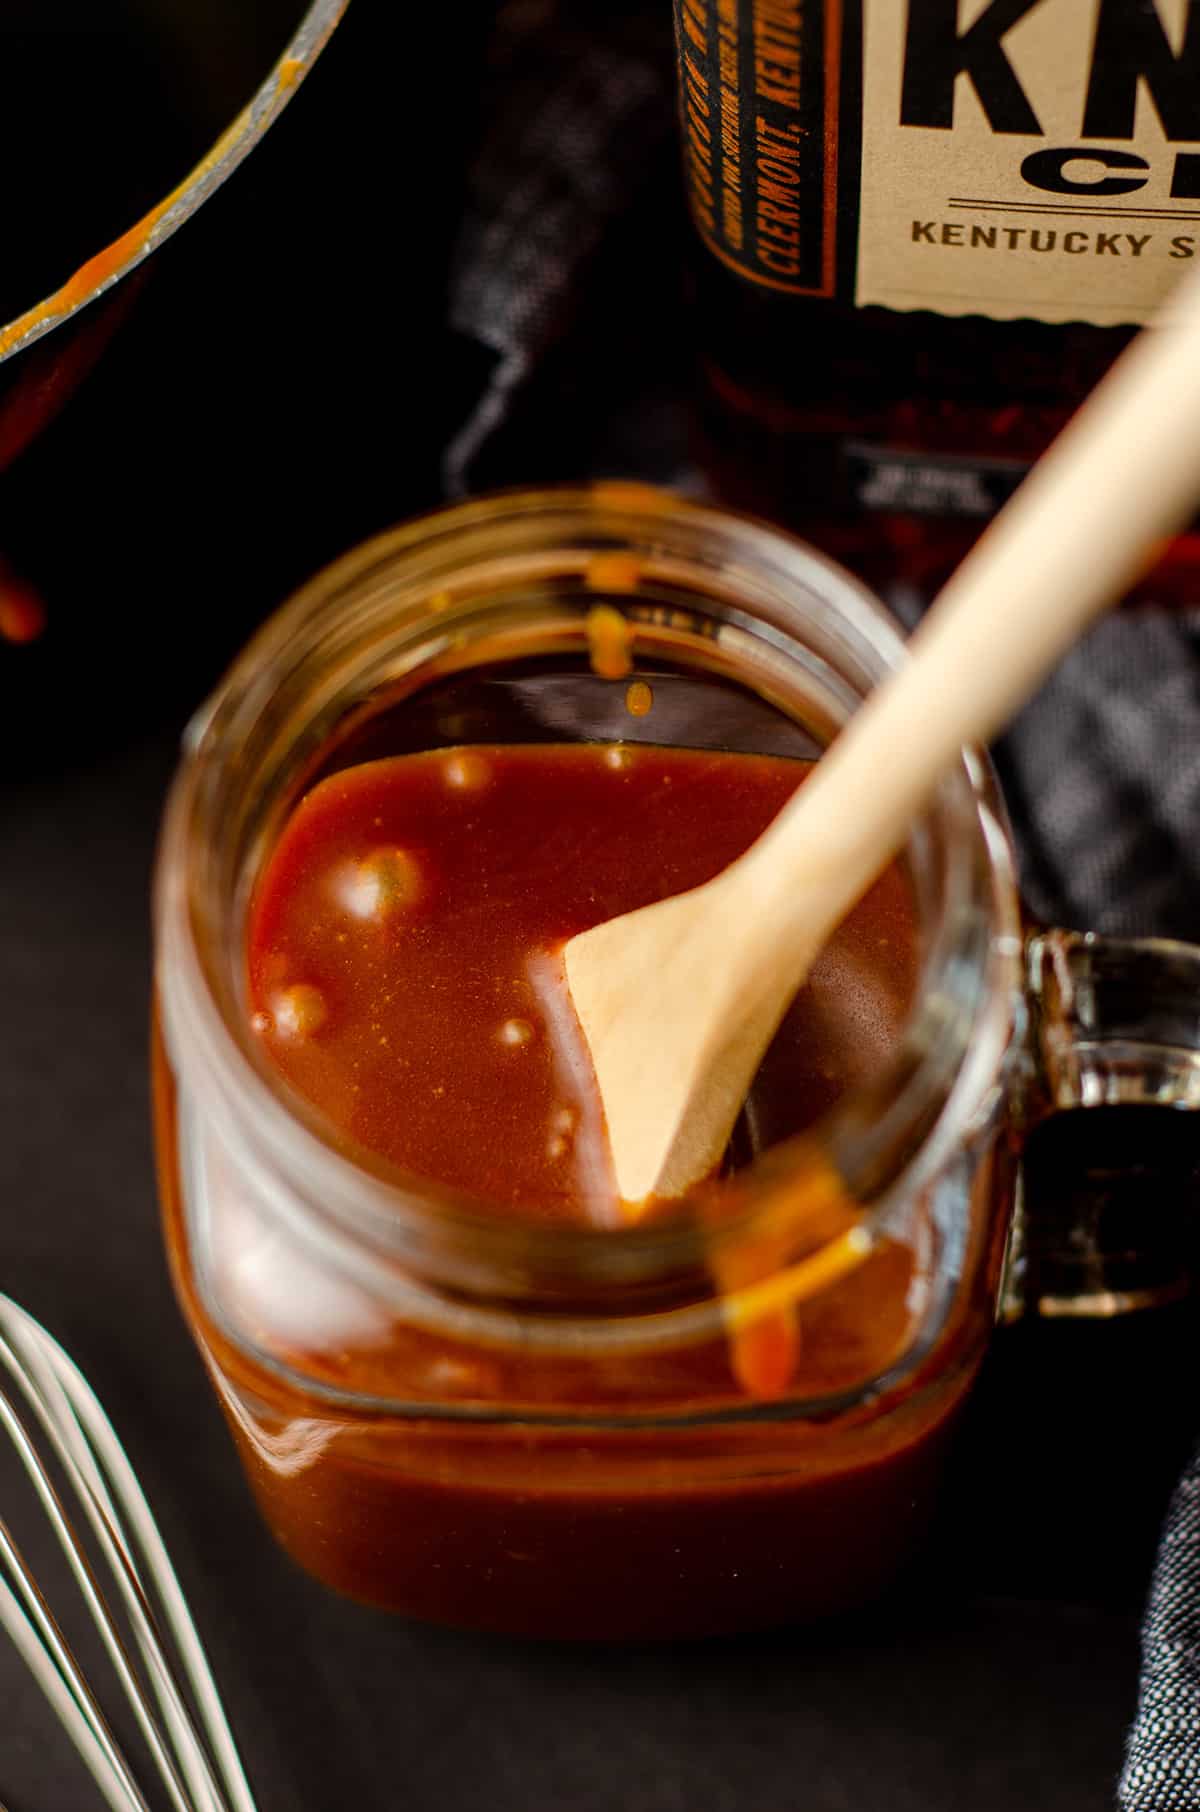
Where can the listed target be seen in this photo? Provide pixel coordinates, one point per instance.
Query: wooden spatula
(678, 1001)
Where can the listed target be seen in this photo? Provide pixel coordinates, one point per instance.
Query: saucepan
(122, 117)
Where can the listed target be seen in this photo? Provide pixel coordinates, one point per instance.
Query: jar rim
(952, 1061)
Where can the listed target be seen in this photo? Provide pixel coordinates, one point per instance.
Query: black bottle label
(758, 98)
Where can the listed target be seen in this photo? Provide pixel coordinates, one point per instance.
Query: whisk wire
(40, 1642)
(74, 1418)
(200, 1773)
(82, 1569)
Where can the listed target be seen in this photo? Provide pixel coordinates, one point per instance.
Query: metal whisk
(51, 1414)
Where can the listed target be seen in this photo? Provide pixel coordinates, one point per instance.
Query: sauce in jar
(403, 942)
(401, 980)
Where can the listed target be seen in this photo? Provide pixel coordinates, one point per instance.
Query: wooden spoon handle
(1123, 474)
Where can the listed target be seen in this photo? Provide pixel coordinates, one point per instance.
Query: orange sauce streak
(22, 613)
(638, 699)
(762, 1290)
(111, 262)
(613, 572)
(632, 494)
(609, 636)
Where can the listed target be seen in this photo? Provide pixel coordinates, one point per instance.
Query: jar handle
(1108, 1203)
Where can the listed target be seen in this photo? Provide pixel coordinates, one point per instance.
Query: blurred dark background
(276, 388)
(282, 381)
(284, 378)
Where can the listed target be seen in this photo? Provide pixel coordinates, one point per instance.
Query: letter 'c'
(1044, 170)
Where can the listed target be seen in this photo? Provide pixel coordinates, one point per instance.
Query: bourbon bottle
(926, 227)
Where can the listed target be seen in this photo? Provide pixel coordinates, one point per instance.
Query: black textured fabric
(578, 109)
(1162, 1764)
(1102, 774)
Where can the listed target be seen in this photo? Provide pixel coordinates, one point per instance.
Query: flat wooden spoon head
(678, 1003)
(673, 1053)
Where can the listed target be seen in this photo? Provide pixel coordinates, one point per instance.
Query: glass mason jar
(541, 1429)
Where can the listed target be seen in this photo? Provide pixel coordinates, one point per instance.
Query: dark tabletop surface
(220, 453)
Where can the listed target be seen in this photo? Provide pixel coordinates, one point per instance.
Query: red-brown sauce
(403, 942)
(399, 942)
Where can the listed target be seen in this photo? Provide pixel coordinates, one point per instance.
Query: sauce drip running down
(403, 948)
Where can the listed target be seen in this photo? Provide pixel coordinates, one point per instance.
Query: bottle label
(894, 482)
(758, 100)
(1020, 159)
(1029, 158)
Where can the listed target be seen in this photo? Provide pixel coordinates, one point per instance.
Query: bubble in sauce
(450, 1375)
(515, 1033)
(563, 1123)
(467, 771)
(299, 1011)
(385, 882)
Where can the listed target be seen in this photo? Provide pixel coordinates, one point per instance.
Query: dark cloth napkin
(568, 250)
(1162, 1759)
